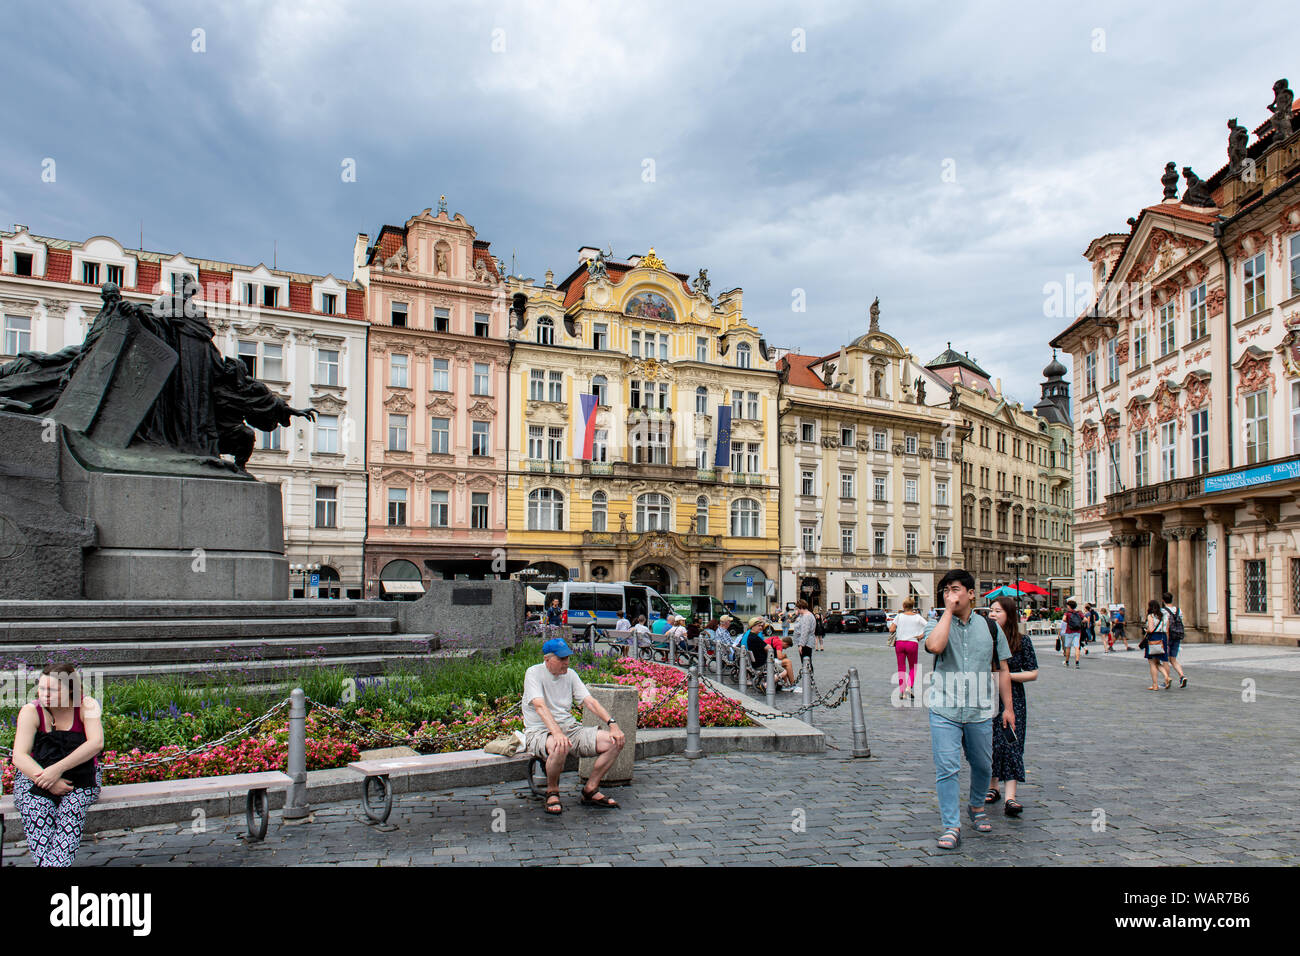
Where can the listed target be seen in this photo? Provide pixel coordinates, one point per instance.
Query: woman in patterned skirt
(1009, 745)
(57, 739)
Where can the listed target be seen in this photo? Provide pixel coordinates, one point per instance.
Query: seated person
(641, 635)
(678, 635)
(56, 776)
(779, 645)
(622, 624)
(550, 730)
(661, 624)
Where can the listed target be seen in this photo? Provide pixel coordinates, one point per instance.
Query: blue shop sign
(1263, 475)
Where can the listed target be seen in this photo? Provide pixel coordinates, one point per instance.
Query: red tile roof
(483, 255)
(147, 276)
(356, 304)
(58, 265)
(299, 297)
(800, 371)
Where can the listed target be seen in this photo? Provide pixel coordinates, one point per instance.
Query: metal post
(295, 803)
(860, 748)
(771, 680)
(742, 656)
(808, 699)
(591, 641)
(718, 651)
(701, 654)
(693, 715)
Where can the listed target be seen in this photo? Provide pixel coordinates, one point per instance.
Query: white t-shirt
(559, 692)
(908, 627)
(641, 635)
(623, 624)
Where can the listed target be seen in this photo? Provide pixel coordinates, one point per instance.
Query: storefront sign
(1249, 478)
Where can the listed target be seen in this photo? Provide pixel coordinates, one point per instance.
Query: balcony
(629, 469)
(630, 539)
(1243, 483)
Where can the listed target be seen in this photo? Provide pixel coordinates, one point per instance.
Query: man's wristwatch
(611, 721)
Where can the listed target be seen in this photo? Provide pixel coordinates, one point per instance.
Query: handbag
(1058, 642)
(1155, 647)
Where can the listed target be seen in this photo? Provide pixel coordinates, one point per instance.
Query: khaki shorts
(582, 738)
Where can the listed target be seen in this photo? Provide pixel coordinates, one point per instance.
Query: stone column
(1124, 582)
(1186, 595)
(1171, 536)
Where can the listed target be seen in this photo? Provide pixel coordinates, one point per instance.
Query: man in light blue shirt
(963, 699)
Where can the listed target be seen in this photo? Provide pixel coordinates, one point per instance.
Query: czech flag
(722, 457)
(584, 427)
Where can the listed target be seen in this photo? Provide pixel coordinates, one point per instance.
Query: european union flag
(722, 458)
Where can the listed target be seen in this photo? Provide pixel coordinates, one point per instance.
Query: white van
(586, 604)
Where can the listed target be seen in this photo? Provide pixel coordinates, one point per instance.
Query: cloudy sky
(952, 159)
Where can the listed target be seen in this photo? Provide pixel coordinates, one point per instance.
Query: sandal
(979, 819)
(556, 808)
(993, 795)
(1012, 808)
(1153, 687)
(1183, 684)
(951, 839)
(598, 799)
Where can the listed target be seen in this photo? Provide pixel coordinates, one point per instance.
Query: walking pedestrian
(967, 646)
(819, 630)
(1174, 622)
(1009, 744)
(1073, 632)
(1117, 632)
(1103, 627)
(905, 632)
(1089, 627)
(804, 629)
(1154, 644)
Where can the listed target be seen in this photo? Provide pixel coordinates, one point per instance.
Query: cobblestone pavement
(1202, 775)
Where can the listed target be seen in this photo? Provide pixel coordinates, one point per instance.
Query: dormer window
(22, 263)
(742, 355)
(270, 296)
(545, 331)
(90, 273)
(178, 281)
(329, 303)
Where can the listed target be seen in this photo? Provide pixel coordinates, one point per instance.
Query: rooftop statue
(1281, 108)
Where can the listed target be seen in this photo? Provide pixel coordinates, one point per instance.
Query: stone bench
(378, 773)
(145, 794)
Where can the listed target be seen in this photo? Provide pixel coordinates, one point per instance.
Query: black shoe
(1076, 665)
(1183, 683)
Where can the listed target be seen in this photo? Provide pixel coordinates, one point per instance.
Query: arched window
(545, 331)
(702, 515)
(744, 518)
(742, 355)
(545, 510)
(600, 388)
(701, 401)
(599, 512)
(653, 512)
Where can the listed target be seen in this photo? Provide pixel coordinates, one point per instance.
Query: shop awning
(402, 587)
(887, 588)
(855, 584)
(920, 588)
(534, 596)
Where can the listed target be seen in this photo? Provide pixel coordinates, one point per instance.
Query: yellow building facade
(651, 505)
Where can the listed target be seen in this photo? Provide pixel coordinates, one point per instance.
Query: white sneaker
(795, 690)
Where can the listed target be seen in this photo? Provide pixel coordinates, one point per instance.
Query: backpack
(1074, 621)
(1176, 626)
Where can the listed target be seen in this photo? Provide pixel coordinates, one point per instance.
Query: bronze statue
(1238, 140)
(1170, 180)
(1281, 108)
(203, 398)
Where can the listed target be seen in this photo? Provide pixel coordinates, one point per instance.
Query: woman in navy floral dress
(1009, 746)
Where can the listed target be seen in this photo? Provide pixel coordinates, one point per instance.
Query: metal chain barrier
(336, 715)
(238, 733)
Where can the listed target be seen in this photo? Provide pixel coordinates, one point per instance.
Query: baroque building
(437, 400)
(644, 495)
(302, 334)
(1015, 479)
(1187, 395)
(868, 480)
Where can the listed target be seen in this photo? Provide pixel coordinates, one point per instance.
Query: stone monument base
(68, 530)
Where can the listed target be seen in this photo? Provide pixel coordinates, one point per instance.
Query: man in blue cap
(551, 691)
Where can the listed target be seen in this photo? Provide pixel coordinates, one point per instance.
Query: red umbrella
(1028, 588)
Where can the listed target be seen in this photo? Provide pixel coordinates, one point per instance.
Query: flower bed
(332, 743)
(663, 691)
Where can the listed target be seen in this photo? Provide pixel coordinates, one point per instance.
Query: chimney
(586, 253)
(999, 386)
(360, 272)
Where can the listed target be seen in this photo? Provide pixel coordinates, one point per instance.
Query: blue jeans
(947, 739)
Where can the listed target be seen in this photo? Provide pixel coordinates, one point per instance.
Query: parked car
(874, 619)
(851, 622)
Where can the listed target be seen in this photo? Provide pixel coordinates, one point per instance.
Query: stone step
(266, 672)
(313, 649)
(83, 632)
(173, 610)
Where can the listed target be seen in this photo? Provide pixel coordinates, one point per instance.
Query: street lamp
(1014, 562)
(304, 570)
